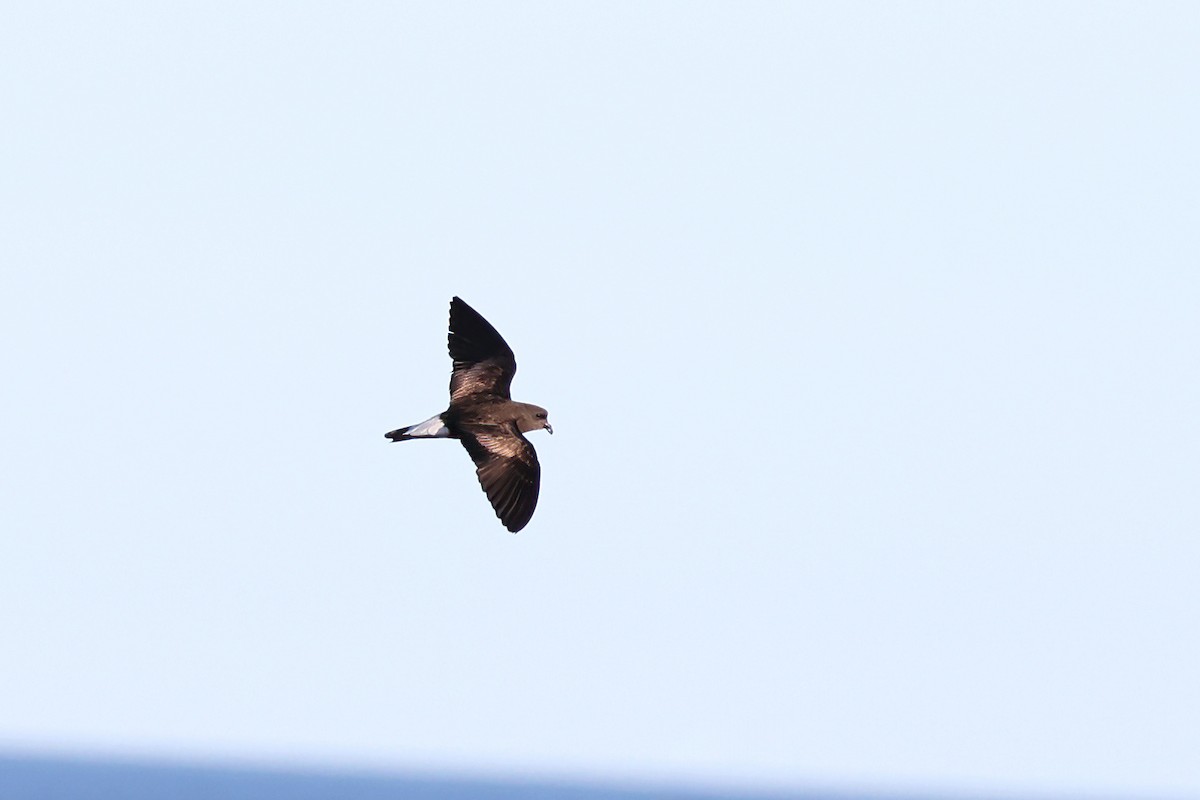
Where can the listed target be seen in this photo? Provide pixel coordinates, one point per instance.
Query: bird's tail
(432, 428)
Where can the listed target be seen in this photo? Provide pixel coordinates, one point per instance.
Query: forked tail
(432, 428)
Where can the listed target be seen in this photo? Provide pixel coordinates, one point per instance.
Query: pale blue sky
(869, 333)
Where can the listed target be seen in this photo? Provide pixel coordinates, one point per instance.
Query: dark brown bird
(484, 417)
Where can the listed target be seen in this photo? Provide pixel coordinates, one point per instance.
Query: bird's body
(485, 418)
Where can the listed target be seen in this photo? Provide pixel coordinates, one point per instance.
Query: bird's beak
(549, 428)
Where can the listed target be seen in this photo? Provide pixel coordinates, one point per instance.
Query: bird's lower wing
(508, 471)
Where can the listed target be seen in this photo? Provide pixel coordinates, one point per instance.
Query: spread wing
(508, 470)
(483, 362)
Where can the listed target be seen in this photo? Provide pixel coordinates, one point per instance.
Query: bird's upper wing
(508, 470)
(483, 362)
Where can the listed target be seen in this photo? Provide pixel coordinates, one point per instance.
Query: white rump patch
(431, 427)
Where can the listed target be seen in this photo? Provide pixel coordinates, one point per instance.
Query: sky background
(869, 333)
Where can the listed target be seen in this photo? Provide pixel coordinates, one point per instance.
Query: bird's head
(534, 418)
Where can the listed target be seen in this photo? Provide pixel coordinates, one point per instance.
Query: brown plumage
(485, 418)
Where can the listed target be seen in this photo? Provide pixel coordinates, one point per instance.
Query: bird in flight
(484, 417)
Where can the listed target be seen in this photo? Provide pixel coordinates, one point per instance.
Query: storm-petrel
(484, 417)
